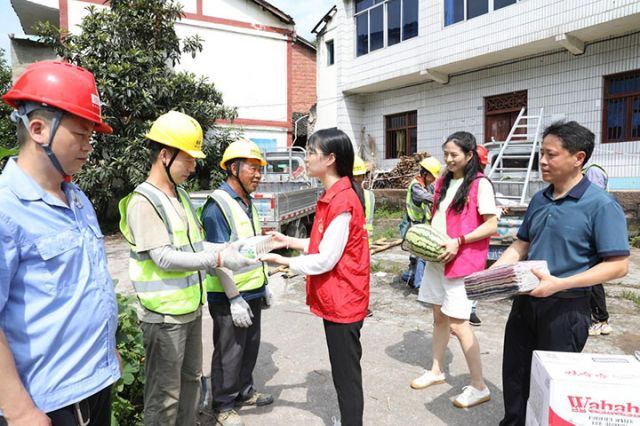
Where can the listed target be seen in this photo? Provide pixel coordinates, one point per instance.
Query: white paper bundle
(254, 247)
(504, 281)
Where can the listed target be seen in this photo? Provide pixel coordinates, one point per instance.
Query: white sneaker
(471, 396)
(598, 328)
(427, 379)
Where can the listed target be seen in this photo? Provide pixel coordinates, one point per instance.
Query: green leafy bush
(132, 48)
(128, 392)
(7, 128)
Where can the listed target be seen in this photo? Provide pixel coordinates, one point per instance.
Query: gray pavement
(293, 364)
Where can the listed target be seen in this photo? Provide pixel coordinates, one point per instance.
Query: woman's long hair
(335, 141)
(467, 143)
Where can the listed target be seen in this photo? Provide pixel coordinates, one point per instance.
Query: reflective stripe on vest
(416, 214)
(369, 205)
(166, 292)
(250, 277)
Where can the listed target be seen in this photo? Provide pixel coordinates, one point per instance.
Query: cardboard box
(583, 390)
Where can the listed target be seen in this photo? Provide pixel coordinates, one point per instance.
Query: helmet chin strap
(167, 169)
(237, 176)
(23, 112)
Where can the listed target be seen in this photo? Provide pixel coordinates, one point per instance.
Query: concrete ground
(293, 363)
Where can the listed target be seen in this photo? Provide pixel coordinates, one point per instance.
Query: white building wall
(326, 77)
(77, 11)
(240, 10)
(529, 26)
(566, 86)
(249, 67)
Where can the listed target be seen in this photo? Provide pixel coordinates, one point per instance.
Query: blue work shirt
(575, 232)
(57, 302)
(217, 231)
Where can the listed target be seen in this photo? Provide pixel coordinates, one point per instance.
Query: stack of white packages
(254, 247)
(504, 281)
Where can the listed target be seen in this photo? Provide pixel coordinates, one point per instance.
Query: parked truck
(508, 189)
(286, 197)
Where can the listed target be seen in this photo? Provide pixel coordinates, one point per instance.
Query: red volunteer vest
(471, 257)
(342, 294)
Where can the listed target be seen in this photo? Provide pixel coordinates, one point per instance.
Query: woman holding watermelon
(336, 263)
(463, 208)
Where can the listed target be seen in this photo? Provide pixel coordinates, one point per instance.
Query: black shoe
(258, 398)
(474, 320)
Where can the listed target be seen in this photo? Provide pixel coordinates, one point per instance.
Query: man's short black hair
(155, 148)
(574, 137)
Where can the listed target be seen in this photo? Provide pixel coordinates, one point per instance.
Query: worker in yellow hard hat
(359, 173)
(418, 210)
(167, 266)
(229, 215)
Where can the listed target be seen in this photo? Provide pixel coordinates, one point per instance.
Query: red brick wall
(303, 88)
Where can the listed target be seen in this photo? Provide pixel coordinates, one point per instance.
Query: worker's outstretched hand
(231, 258)
(240, 312)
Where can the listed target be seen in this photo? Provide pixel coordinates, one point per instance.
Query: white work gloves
(231, 258)
(268, 297)
(240, 312)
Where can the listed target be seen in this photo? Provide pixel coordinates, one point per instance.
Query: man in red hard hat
(58, 313)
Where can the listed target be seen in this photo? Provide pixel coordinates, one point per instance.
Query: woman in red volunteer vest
(336, 263)
(464, 208)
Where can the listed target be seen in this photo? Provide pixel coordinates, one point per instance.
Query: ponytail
(359, 191)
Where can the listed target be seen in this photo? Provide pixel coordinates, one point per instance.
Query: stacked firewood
(399, 177)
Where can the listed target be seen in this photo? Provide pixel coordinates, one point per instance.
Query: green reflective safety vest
(165, 292)
(250, 277)
(416, 213)
(369, 206)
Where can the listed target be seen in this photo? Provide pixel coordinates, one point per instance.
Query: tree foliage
(132, 48)
(7, 128)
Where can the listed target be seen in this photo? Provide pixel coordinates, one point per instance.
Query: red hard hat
(483, 155)
(60, 85)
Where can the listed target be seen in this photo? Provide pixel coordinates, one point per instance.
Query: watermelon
(424, 241)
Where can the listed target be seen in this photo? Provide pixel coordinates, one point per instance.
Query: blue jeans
(415, 273)
(417, 281)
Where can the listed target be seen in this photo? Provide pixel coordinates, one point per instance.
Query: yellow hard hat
(432, 165)
(242, 148)
(359, 168)
(178, 130)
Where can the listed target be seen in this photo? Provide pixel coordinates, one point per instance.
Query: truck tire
(303, 230)
(297, 229)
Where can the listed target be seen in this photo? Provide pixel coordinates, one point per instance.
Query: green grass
(630, 295)
(386, 231)
(386, 211)
(635, 242)
(390, 267)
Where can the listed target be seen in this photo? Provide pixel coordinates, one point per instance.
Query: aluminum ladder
(526, 144)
